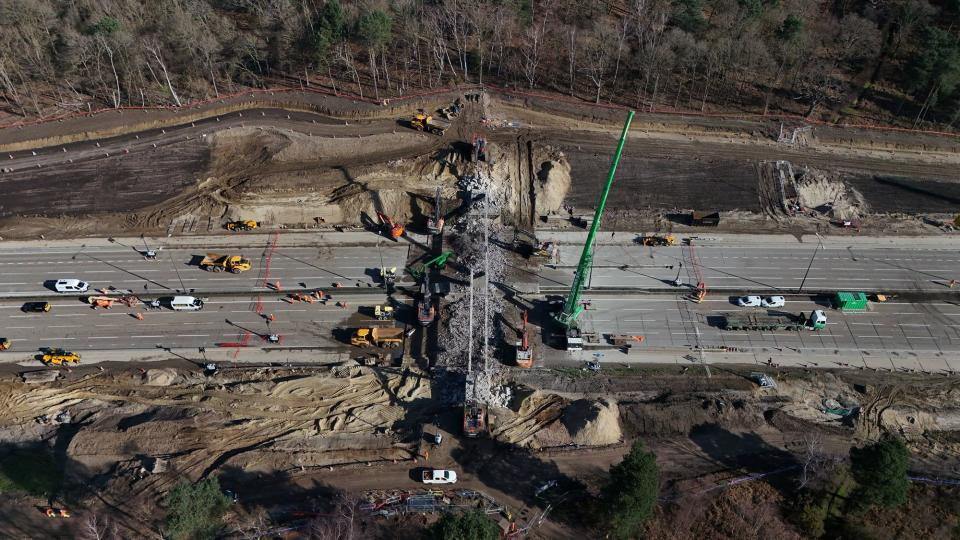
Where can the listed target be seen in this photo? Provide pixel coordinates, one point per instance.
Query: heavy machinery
(4, 344)
(439, 262)
(474, 418)
(435, 223)
(244, 225)
(426, 312)
(218, 263)
(426, 122)
(392, 229)
(657, 240)
(386, 338)
(479, 149)
(389, 277)
(59, 357)
(567, 319)
(526, 244)
(524, 350)
(817, 320)
(383, 312)
(107, 302)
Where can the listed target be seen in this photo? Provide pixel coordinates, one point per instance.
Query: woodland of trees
(892, 61)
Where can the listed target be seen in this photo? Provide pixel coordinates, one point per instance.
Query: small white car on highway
(773, 301)
(439, 476)
(748, 301)
(71, 285)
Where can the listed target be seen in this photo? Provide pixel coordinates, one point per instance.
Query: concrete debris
(38, 377)
(468, 241)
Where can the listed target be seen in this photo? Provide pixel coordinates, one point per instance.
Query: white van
(186, 303)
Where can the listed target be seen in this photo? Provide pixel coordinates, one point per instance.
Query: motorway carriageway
(926, 329)
(762, 268)
(73, 325)
(24, 272)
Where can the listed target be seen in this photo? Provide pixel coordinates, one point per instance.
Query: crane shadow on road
(311, 265)
(124, 270)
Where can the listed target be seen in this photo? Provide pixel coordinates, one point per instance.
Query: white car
(773, 301)
(439, 476)
(71, 285)
(748, 301)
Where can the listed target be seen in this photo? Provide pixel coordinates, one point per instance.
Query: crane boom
(572, 307)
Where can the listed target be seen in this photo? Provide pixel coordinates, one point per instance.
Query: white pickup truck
(439, 476)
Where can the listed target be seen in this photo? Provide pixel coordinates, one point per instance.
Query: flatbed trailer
(773, 321)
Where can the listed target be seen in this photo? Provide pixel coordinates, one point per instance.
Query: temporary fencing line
(253, 92)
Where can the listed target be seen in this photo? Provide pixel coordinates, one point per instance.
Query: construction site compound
(305, 295)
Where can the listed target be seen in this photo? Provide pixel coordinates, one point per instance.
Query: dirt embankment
(114, 428)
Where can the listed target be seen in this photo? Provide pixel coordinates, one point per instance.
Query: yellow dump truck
(389, 338)
(657, 240)
(245, 225)
(218, 263)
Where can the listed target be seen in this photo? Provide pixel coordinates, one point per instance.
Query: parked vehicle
(749, 301)
(439, 476)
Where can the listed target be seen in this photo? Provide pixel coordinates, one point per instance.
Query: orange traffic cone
(276, 285)
(139, 316)
(272, 317)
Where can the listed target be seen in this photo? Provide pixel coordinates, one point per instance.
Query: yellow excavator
(59, 357)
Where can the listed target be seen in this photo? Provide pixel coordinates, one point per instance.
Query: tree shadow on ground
(518, 472)
(747, 451)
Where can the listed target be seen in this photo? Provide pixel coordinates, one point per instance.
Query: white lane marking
(145, 336)
(193, 335)
(103, 337)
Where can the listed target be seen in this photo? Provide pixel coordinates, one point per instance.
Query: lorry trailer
(773, 321)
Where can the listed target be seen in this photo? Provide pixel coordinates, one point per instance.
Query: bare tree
(572, 46)
(94, 528)
(817, 464)
(153, 47)
(597, 56)
(817, 84)
(339, 524)
(345, 57)
(114, 94)
(532, 44)
(623, 28)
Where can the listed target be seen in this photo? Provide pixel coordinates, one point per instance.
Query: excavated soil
(307, 169)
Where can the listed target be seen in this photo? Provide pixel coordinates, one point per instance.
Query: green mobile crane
(572, 307)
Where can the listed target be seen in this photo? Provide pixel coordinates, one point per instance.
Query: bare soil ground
(283, 437)
(323, 160)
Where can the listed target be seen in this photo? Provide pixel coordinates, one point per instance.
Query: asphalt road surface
(762, 267)
(926, 331)
(223, 321)
(25, 273)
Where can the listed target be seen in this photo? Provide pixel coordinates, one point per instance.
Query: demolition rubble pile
(468, 242)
